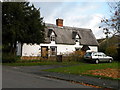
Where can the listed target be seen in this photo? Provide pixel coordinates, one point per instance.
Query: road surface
(16, 79)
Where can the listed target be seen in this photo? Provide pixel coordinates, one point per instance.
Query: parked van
(97, 57)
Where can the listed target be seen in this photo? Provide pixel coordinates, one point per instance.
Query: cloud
(72, 0)
(69, 12)
(94, 23)
(82, 14)
(87, 21)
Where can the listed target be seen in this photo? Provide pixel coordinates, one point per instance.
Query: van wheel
(110, 61)
(96, 61)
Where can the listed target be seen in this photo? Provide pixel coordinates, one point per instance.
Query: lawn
(87, 69)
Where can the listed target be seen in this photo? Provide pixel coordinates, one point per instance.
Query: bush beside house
(112, 51)
(110, 47)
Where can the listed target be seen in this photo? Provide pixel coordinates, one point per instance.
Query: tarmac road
(16, 79)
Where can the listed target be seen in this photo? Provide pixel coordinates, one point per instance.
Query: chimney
(59, 22)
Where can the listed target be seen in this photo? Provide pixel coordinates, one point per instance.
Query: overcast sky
(75, 14)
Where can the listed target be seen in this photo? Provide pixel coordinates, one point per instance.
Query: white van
(97, 57)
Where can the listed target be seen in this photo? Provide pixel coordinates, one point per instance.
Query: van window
(88, 54)
(104, 55)
(99, 55)
(95, 55)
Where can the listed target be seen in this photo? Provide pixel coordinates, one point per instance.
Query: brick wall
(51, 58)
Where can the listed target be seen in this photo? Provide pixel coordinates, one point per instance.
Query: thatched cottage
(61, 39)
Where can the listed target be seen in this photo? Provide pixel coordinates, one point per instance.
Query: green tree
(111, 48)
(112, 51)
(111, 26)
(21, 22)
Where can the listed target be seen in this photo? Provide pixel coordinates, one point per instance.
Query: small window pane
(52, 38)
(53, 50)
(77, 39)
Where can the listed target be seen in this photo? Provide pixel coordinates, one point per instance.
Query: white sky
(75, 14)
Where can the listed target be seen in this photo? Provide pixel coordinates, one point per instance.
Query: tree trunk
(21, 48)
(13, 49)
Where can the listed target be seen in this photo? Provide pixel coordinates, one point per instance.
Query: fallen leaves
(109, 72)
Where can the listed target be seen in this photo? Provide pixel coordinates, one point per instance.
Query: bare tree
(112, 25)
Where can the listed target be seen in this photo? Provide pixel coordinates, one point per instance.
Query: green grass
(41, 63)
(77, 68)
(82, 68)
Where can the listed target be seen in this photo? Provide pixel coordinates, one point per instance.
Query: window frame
(53, 50)
(52, 38)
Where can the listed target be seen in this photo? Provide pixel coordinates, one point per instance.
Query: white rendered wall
(35, 50)
(62, 48)
(31, 50)
(93, 49)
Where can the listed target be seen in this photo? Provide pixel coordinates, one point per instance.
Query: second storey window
(77, 39)
(52, 38)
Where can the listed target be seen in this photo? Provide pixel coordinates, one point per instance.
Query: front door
(44, 51)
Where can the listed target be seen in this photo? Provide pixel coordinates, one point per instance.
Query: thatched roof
(66, 35)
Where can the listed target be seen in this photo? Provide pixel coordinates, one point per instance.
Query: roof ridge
(69, 27)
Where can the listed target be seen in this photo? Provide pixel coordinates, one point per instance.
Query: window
(99, 55)
(53, 50)
(77, 49)
(88, 54)
(103, 55)
(95, 54)
(52, 38)
(77, 40)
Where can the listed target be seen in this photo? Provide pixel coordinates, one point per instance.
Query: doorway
(44, 51)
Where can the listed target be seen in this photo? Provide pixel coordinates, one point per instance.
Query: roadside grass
(81, 69)
(77, 68)
(31, 63)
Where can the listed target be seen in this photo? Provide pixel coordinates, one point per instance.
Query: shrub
(27, 61)
(112, 51)
(118, 50)
(76, 56)
(9, 58)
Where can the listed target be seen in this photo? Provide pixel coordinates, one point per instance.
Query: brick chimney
(59, 22)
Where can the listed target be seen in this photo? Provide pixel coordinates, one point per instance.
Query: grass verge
(83, 68)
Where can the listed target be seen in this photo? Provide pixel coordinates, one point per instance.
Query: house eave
(89, 44)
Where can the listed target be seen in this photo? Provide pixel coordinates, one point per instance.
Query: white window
(77, 49)
(53, 50)
(77, 38)
(52, 38)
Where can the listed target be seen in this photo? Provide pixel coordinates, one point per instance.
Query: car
(97, 57)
